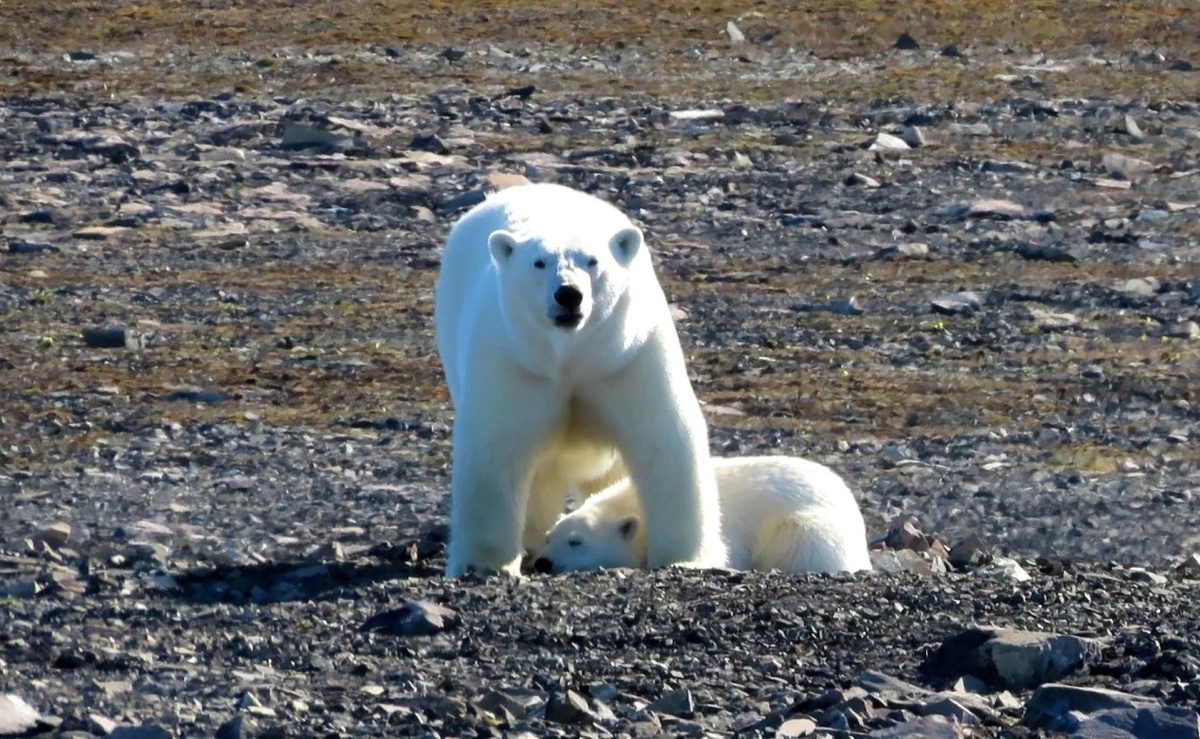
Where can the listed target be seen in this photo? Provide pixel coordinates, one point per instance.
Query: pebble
(953, 304)
(415, 618)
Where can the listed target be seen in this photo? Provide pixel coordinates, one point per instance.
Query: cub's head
(582, 541)
(578, 281)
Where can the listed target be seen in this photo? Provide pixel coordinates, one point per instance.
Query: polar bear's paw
(512, 569)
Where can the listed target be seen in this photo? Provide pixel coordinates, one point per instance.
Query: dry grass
(680, 47)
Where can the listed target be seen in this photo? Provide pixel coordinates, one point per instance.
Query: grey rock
(952, 304)
(951, 709)
(1006, 167)
(1043, 253)
(1143, 287)
(1125, 123)
(861, 180)
(970, 129)
(838, 306)
(1053, 701)
(888, 688)
(1009, 658)
(906, 250)
(301, 136)
(234, 728)
(16, 716)
(1149, 722)
(1119, 165)
(886, 142)
(1183, 330)
(735, 34)
(926, 727)
(415, 618)
(796, 727)
(677, 703)
(429, 142)
(571, 708)
(109, 337)
(996, 209)
(145, 731)
(914, 136)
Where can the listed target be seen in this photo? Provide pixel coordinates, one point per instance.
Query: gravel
(224, 439)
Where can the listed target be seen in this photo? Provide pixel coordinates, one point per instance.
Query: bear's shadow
(302, 579)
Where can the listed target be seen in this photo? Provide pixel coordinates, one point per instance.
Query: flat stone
(1052, 701)
(16, 716)
(914, 136)
(1183, 330)
(109, 337)
(1143, 287)
(906, 250)
(55, 534)
(415, 618)
(857, 179)
(887, 687)
(926, 727)
(1124, 166)
(952, 304)
(997, 209)
(1008, 658)
(570, 708)
(145, 731)
(677, 703)
(301, 136)
(886, 142)
(99, 233)
(796, 727)
(706, 114)
(1006, 167)
(951, 709)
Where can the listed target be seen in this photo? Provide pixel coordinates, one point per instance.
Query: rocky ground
(967, 278)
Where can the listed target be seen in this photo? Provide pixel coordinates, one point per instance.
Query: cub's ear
(627, 527)
(502, 244)
(626, 243)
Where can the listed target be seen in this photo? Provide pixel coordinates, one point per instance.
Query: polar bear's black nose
(543, 565)
(569, 297)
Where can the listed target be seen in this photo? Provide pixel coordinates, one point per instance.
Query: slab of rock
(888, 688)
(301, 136)
(1119, 165)
(1008, 658)
(16, 716)
(677, 703)
(1051, 702)
(415, 618)
(926, 727)
(1004, 167)
(908, 250)
(886, 142)
(1150, 722)
(953, 304)
(108, 337)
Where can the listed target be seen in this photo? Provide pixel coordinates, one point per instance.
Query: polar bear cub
(777, 513)
(566, 374)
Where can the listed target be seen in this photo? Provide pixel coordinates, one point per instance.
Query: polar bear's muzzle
(566, 312)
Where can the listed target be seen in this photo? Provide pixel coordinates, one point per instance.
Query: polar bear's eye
(575, 542)
(593, 262)
(540, 264)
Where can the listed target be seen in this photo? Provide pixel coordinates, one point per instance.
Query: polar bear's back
(789, 514)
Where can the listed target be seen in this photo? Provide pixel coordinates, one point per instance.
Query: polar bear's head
(579, 279)
(586, 539)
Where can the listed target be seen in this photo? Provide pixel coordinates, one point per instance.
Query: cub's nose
(543, 565)
(569, 297)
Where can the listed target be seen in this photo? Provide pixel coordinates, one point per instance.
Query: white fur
(777, 513)
(545, 405)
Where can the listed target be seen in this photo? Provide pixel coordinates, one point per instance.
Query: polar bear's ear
(627, 527)
(626, 243)
(502, 244)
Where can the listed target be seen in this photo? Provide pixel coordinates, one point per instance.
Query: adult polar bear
(778, 513)
(566, 372)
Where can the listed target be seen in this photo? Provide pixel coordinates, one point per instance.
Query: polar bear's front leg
(493, 456)
(650, 410)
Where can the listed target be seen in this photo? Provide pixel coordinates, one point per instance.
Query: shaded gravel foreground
(224, 433)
